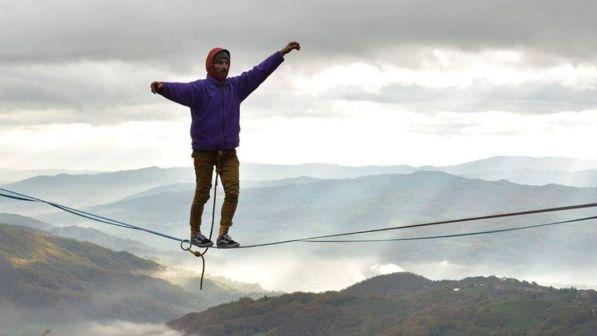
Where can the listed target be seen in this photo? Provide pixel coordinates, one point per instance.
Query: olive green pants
(227, 165)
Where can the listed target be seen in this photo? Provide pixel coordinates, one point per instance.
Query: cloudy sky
(376, 82)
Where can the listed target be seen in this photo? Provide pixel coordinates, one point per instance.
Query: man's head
(217, 63)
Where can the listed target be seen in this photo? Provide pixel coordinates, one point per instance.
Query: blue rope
(453, 235)
(321, 239)
(85, 214)
(459, 220)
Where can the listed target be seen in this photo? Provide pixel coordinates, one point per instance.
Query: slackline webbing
(451, 235)
(322, 238)
(500, 215)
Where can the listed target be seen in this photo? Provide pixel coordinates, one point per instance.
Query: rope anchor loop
(189, 248)
(186, 245)
(197, 254)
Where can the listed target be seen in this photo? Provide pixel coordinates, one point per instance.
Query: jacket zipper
(224, 116)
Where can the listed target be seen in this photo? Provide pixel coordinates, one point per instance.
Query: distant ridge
(13, 175)
(112, 186)
(14, 219)
(500, 163)
(88, 189)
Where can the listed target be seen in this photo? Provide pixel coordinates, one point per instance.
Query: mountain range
(70, 270)
(287, 208)
(324, 207)
(90, 189)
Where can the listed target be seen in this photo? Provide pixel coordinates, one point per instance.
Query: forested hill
(407, 304)
(51, 280)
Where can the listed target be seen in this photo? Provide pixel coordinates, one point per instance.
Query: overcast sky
(376, 82)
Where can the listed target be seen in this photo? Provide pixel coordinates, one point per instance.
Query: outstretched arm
(182, 93)
(248, 81)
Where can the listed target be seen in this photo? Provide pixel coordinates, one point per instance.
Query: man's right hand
(156, 87)
(290, 47)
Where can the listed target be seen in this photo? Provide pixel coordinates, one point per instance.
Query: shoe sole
(228, 246)
(210, 244)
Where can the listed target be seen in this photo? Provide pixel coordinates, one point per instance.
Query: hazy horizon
(481, 158)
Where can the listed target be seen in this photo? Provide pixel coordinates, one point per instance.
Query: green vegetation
(407, 304)
(48, 280)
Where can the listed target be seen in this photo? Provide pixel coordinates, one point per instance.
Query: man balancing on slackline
(215, 127)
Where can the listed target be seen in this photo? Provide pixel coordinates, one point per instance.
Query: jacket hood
(209, 61)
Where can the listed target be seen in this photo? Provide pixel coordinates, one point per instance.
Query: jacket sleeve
(248, 81)
(183, 93)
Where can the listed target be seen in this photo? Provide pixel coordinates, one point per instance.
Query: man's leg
(203, 162)
(230, 180)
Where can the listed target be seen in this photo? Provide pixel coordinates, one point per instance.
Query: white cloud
(66, 30)
(386, 269)
(373, 134)
(121, 328)
(383, 86)
(367, 133)
(114, 92)
(90, 92)
(280, 271)
(124, 146)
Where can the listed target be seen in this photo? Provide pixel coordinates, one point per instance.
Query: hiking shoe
(225, 241)
(201, 240)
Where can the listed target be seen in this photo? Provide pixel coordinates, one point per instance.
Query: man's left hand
(290, 47)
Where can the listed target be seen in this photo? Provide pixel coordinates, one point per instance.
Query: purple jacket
(215, 105)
